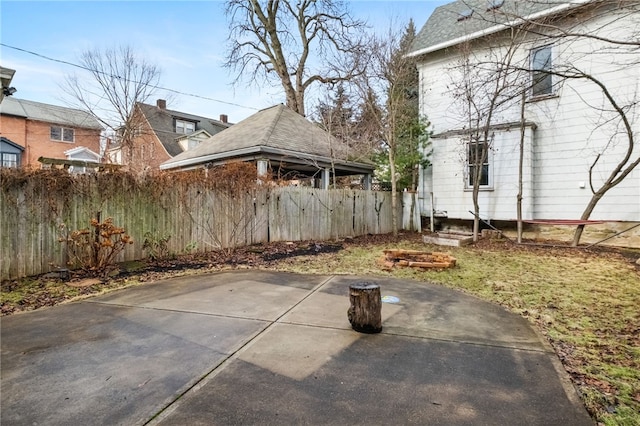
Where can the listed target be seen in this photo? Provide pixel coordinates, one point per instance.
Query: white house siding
(447, 177)
(569, 135)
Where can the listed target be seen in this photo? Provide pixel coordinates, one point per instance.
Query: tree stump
(365, 312)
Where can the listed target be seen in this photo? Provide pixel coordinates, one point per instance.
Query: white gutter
(499, 27)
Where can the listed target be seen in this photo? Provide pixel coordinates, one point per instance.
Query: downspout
(431, 221)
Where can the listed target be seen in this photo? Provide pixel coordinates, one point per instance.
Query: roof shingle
(444, 28)
(162, 121)
(278, 127)
(49, 113)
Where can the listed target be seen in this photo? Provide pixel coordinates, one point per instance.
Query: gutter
(244, 152)
(501, 126)
(498, 28)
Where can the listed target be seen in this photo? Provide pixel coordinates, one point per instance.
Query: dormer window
(193, 143)
(494, 4)
(185, 127)
(465, 14)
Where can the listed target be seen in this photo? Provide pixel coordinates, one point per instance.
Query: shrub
(156, 246)
(96, 249)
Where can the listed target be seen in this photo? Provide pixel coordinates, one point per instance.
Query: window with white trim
(185, 127)
(541, 79)
(62, 134)
(9, 159)
(478, 156)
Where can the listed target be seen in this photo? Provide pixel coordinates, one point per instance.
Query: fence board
(32, 214)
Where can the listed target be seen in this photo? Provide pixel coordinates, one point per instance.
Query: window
(185, 127)
(62, 134)
(494, 4)
(541, 79)
(193, 143)
(9, 159)
(465, 14)
(478, 152)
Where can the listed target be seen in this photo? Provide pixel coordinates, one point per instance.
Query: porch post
(263, 166)
(367, 182)
(326, 174)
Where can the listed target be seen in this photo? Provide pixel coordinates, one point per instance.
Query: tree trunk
(394, 190)
(96, 242)
(520, 166)
(476, 216)
(365, 312)
(586, 214)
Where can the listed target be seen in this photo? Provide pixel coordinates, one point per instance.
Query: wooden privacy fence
(36, 213)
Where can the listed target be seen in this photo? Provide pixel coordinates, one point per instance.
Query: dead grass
(586, 304)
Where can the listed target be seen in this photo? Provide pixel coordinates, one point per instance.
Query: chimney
(224, 118)
(161, 103)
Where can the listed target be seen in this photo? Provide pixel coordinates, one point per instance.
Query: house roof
(73, 152)
(6, 75)
(49, 113)
(276, 131)
(445, 27)
(11, 143)
(162, 121)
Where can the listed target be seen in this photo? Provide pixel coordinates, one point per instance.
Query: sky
(186, 39)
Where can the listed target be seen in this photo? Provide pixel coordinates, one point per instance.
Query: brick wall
(35, 136)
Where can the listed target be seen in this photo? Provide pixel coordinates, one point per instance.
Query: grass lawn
(587, 304)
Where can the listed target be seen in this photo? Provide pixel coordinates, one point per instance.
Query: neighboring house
(44, 130)
(566, 123)
(10, 153)
(278, 140)
(161, 134)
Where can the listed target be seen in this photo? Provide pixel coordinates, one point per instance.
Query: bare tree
(295, 44)
(119, 78)
(623, 114)
(484, 84)
(512, 79)
(616, 112)
(390, 77)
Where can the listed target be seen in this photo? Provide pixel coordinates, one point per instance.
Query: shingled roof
(162, 121)
(49, 113)
(464, 20)
(275, 132)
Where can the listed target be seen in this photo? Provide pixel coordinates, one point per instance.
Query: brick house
(44, 130)
(161, 134)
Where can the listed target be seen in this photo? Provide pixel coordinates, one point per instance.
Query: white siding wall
(571, 132)
(447, 177)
